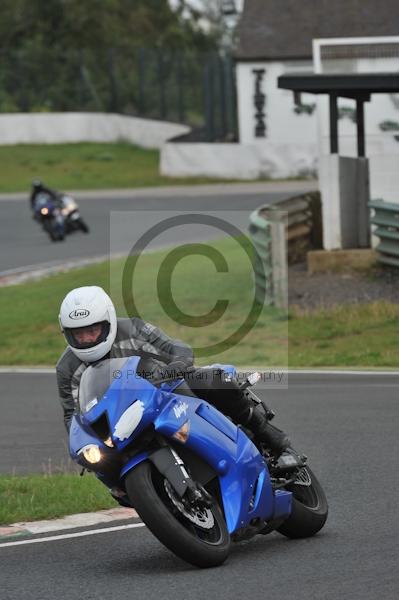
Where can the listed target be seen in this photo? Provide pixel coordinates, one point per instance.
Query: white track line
(67, 536)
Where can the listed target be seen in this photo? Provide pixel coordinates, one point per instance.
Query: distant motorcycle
(58, 214)
(48, 213)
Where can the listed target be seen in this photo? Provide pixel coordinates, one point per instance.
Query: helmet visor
(87, 337)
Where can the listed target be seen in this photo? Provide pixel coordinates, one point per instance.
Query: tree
(71, 55)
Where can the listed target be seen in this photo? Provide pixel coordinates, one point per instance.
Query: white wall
(292, 138)
(209, 160)
(57, 128)
(234, 161)
(283, 124)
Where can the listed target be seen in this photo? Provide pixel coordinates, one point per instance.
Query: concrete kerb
(77, 521)
(37, 272)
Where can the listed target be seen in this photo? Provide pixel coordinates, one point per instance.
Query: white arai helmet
(86, 307)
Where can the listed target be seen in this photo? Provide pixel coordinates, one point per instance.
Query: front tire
(309, 507)
(152, 497)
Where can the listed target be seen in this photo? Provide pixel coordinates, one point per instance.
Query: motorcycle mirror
(253, 378)
(250, 380)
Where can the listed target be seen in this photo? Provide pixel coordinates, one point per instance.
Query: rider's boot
(253, 416)
(274, 439)
(245, 411)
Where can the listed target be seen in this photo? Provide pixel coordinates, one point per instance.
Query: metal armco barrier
(282, 233)
(260, 232)
(386, 218)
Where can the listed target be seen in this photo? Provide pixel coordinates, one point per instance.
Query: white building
(278, 138)
(275, 39)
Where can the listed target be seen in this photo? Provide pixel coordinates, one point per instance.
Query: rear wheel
(198, 534)
(83, 226)
(309, 507)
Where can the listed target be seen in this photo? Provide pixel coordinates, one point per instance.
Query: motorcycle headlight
(44, 211)
(91, 453)
(129, 420)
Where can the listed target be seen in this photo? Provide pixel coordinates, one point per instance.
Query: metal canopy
(357, 86)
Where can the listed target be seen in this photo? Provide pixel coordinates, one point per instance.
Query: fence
(197, 89)
(283, 233)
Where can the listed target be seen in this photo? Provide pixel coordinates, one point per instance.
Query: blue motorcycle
(48, 213)
(196, 480)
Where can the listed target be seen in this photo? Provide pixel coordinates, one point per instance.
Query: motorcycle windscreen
(97, 379)
(42, 199)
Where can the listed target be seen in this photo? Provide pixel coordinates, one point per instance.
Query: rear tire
(83, 226)
(309, 509)
(200, 547)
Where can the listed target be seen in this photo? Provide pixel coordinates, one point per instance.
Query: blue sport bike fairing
(195, 479)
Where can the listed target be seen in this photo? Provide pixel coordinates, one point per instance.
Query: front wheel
(197, 535)
(309, 507)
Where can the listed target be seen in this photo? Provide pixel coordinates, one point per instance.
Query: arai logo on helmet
(79, 313)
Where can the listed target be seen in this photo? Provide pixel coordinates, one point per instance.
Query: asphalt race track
(23, 243)
(347, 424)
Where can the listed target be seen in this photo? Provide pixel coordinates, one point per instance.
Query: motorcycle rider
(39, 188)
(93, 332)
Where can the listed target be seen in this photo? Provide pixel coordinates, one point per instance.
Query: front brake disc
(200, 516)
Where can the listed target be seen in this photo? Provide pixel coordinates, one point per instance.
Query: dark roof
(282, 29)
(349, 85)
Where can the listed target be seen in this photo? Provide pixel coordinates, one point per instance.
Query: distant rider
(39, 188)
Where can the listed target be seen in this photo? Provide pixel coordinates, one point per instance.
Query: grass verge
(37, 497)
(351, 335)
(84, 166)
(30, 330)
(359, 335)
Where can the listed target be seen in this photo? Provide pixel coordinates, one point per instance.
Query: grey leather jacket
(134, 337)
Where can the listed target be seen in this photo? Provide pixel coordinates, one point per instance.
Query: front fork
(170, 465)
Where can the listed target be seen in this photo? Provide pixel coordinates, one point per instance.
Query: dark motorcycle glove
(177, 368)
